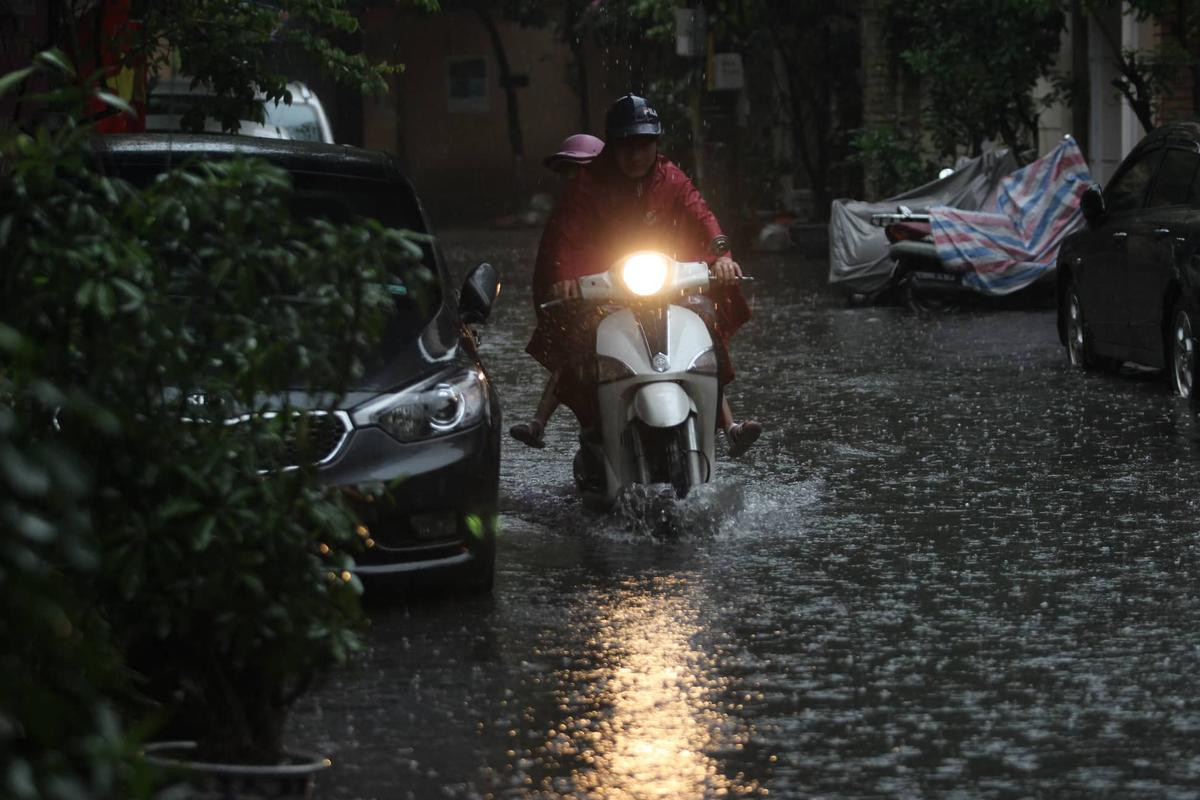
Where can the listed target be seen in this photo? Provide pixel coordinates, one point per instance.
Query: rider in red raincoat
(630, 198)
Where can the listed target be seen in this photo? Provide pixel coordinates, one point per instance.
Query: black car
(1129, 283)
(424, 421)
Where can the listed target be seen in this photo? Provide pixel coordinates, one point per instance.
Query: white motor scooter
(656, 380)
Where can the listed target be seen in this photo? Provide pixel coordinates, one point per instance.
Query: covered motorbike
(924, 282)
(951, 249)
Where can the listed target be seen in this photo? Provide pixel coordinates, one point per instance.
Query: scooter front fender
(662, 404)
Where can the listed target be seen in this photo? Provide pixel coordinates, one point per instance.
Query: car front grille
(317, 439)
(314, 439)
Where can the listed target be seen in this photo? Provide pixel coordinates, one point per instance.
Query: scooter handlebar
(558, 301)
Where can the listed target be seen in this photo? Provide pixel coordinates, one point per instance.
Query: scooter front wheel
(687, 465)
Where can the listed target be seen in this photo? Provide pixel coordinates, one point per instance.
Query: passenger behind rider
(630, 198)
(576, 152)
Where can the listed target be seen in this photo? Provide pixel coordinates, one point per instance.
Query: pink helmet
(576, 150)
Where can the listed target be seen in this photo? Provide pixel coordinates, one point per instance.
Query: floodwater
(952, 567)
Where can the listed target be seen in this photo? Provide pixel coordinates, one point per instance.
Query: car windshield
(341, 199)
(299, 120)
(344, 199)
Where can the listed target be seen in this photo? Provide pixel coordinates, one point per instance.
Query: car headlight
(444, 405)
(645, 274)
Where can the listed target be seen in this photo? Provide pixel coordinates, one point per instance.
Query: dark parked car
(1129, 283)
(424, 420)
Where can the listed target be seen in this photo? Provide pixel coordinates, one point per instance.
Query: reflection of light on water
(646, 715)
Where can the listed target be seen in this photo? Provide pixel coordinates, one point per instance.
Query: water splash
(653, 510)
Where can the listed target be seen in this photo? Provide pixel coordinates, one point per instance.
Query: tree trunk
(1081, 95)
(1186, 31)
(1195, 68)
(515, 139)
(801, 107)
(1196, 85)
(575, 44)
(581, 86)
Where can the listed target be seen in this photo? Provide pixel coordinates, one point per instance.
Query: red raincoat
(603, 216)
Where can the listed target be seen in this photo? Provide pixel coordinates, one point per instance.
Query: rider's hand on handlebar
(565, 290)
(726, 270)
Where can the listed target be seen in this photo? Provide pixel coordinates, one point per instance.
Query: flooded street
(952, 567)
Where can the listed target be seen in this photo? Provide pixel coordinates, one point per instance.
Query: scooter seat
(911, 249)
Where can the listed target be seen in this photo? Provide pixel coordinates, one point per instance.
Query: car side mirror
(479, 292)
(1092, 204)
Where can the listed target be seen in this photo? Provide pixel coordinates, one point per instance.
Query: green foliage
(61, 677)
(151, 526)
(59, 674)
(801, 62)
(978, 62)
(892, 160)
(238, 48)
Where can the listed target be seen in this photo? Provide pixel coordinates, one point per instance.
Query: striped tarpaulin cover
(1011, 246)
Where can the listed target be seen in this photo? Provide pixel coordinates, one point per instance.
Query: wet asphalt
(953, 567)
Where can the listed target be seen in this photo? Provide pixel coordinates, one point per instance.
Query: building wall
(459, 154)
(1055, 122)
(1113, 129)
(1108, 133)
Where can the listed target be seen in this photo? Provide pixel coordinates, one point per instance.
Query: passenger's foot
(529, 433)
(741, 435)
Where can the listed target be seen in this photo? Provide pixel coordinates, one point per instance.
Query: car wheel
(1079, 341)
(1183, 354)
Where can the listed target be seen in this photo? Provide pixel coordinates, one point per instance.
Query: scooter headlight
(435, 408)
(645, 274)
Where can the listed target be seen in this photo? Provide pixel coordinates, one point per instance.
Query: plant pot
(204, 780)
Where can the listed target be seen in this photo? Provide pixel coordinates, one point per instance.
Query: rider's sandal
(741, 435)
(529, 433)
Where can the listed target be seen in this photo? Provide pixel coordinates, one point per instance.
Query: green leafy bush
(891, 160)
(60, 676)
(979, 63)
(221, 580)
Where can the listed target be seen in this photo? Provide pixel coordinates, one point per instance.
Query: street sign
(690, 32)
(727, 73)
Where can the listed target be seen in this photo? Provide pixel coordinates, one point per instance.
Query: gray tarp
(858, 256)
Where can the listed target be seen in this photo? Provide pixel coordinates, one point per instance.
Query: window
(1174, 182)
(298, 119)
(1127, 189)
(467, 84)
